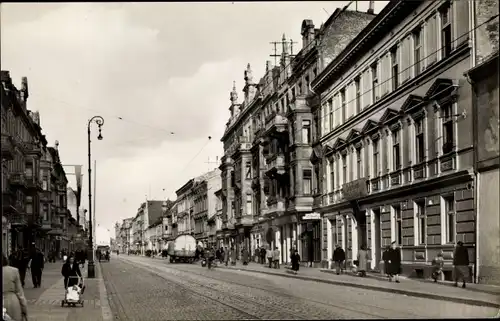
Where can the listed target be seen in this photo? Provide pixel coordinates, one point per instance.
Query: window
(420, 140)
(396, 150)
(448, 132)
(300, 88)
(375, 158)
(446, 30)
(317, 126)
(317, 178)
(248, 169)
(342, 104)
(315, 72)
(29, 208)
(357, 87)
(344, 168)
(332, 175)
(359, 168)
(395, 67)
(417, 44)
(306, 179)
(399, 224)
(422, 222)
(249, 204)
(330, 107)
(374, 82)
(449, 206)
(45, 185)
(29, 171)
(306, 131)
(293, 94)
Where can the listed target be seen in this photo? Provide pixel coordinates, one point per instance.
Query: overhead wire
(297, 130)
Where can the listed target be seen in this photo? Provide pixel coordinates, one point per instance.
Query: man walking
(461, 264)
(37, 265)
(338, 258)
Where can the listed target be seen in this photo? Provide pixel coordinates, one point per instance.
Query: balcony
(276, 123)
(18, 220)
(35, 220)
(34, 184)
(8, 202)
(17, 179)
(275, 206)
(276, 165)
(45, 197)
(32, 149)
(8, 150)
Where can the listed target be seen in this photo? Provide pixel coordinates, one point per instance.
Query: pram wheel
(82, 303)
(62, 303)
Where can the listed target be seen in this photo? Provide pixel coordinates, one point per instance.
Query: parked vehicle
(182, 249)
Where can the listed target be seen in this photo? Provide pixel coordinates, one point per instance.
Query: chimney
(371, 7)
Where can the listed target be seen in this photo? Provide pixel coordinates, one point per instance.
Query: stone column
(373, 263)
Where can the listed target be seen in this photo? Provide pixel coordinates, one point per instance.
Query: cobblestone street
(141, 288)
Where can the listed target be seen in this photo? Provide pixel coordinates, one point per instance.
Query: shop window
(449, 207)
(422, 222)
(399, 224)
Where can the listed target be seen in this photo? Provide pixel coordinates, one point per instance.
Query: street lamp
(91, 267)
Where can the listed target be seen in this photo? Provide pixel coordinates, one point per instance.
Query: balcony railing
(32, 148)
(34, 183)
(277, 122)
(17, 179)
(276, 164)
(18, 219)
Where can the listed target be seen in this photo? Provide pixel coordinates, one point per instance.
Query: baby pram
(73, 294)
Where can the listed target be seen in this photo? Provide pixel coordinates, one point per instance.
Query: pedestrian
(245, 256)
(234, 255)
(461, 264)
(269, 255)
(362, 261)
(295, 258)
(70, 271)
(226, 256)
(276, 257)
(14, 301)
(338, 258)
(437, 266)
(262, 255)
(386, 259)
(37, 263)
(394, 262)
(22, 264)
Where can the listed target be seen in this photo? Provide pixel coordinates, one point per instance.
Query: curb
(107, 315)
(424, 295)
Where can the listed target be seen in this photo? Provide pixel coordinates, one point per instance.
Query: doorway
(362, 237)
(377, 250)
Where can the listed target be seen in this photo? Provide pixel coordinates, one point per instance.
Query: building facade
(267, 176)
(28, 166)
(395, 152)
(483, 77)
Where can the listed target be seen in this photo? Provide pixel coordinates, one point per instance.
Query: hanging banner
(78, 174)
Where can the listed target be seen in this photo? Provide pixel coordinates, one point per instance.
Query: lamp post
(91, 267)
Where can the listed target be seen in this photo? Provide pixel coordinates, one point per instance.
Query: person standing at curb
(269, 255)
(226, 256)
(338, 258)
(362, 261)
(276, 257)
(461, 264)
(263, 255)
(394, 262)
(437, 266)
(295, 258)
(234, 255)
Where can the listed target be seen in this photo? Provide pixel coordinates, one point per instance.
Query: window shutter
(461, 21)
(366, 93)
(431, 40)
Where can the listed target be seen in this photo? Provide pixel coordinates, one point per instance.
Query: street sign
(311, 216)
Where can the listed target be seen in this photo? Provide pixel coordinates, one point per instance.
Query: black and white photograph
(260, 160)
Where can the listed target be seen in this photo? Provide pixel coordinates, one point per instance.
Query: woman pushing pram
(73, 282)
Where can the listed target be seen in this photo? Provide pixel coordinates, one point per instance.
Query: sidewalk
(44, 303)
(475, 294)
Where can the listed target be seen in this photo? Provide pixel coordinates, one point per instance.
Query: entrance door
(377, 250)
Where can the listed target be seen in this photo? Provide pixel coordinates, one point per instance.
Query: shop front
(257, 240)
(309, 238)
(285, 235)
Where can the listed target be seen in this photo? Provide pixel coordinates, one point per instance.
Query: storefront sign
(311, 216)
(355, 189)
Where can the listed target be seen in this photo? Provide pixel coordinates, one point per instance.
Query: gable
(438, 86)
(338, 143)
(353, 134)
(369, 126)
(411, 102)
(388, 115)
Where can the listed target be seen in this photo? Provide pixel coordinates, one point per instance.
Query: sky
(159, 73)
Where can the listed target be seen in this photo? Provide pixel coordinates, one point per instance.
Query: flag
(78, 174)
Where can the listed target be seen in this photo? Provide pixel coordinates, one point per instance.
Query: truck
(182, 249)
